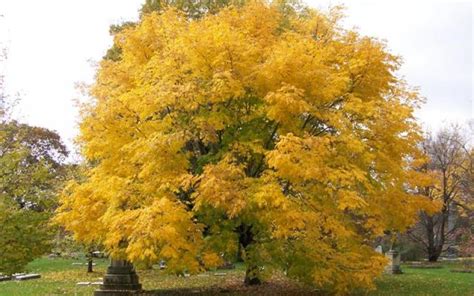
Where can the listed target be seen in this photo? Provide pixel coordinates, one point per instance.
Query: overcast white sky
(52, 43)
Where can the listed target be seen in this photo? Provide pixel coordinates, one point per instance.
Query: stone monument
(379, 249)
(393, 266)
(120, 280)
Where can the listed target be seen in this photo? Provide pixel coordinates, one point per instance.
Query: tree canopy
(192, 9)
(260, 126)
(31, 172)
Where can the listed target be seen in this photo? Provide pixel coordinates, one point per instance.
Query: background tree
(30, 171)
(451, 164)
(466, 233)
(266, 127)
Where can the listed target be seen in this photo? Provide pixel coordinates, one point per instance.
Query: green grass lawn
(415, 281)
(59, 277)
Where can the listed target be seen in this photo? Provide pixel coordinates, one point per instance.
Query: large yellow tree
(261, 126)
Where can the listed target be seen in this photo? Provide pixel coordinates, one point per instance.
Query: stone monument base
(120, 280)
(393, 266)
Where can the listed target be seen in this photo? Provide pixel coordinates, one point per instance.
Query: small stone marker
(220, 274)
(18, 274)
(98, 254)
(97, 283)
(162, 264)
(378, 249)
(83, 284)
(393, 266)
(27, 277)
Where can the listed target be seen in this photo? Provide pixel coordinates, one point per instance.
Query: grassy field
(60, 277)
(417, 281)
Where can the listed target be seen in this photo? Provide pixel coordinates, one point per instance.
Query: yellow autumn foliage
(273, 128)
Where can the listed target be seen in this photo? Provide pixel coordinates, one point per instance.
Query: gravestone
(98, 254)
(97, 283)
(83, 283)
(120, 280)
(452, 252)
(378, 249)
(54, 255)
(25, 277)
(162, 264)
(18, 274)
(393, 266)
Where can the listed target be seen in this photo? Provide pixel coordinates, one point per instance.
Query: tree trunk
(90, 260)
(434, 253)
(431, 249)
(252, 272)
(435, 244)
(433, 257)
(252, 275)
(239, 253)
(90, 265)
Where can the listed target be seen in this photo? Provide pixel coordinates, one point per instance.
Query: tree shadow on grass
(270, 289)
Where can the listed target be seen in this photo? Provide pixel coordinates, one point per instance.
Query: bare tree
(451, 164)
